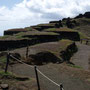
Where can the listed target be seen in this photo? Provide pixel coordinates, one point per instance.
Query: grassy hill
(68, 28)
(53, 42)
(72, 29)
(83, 25)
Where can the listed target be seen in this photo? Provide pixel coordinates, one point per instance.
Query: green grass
(28, 29)
(2, 73)
(66, 40)
(20, 36)
(65, 29)
(66, 43)
(3, 59)
(75, 66)
(47, 24)
(82, 36)
(17, 36)
(83, 26)
(10, 75)
(41, 33)
(83, 21)
(4, 37)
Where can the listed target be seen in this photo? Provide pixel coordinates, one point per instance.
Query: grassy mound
(43, 58)
(50, 52)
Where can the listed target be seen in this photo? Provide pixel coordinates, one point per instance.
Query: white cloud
(30, 12)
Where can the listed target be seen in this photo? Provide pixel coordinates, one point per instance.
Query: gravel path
(81, 58)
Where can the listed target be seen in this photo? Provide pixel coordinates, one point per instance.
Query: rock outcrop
(87, 15)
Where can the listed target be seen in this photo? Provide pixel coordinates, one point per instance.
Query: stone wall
(12, 44)
(12, 32)
(68, 35)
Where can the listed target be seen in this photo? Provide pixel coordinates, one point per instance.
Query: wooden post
(37, 78)
(6, 68)
(81, 41)
(87, 42)
(61, 87)
(27, 50)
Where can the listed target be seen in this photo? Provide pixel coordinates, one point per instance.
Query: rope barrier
(48, 78)
(20, 61)
(39, 72)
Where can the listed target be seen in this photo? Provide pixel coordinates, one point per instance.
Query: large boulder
(4, 86)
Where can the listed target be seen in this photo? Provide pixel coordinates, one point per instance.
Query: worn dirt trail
(82, 57)
(71, 77)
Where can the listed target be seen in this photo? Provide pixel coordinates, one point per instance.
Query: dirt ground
(82, 57)
(72, 77)
(20, 85)
(54, 47)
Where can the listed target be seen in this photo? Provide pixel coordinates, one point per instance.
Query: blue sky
(23, 13)
(9, 3)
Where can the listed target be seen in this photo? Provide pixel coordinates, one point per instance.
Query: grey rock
(4, 86)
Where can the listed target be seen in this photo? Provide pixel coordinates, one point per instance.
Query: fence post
(6, 68)
(61, 87)
(37, 78)
(87, 42)
(81, 41)
(27, 50)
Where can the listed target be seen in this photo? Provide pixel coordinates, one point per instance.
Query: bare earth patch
(72, 78)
